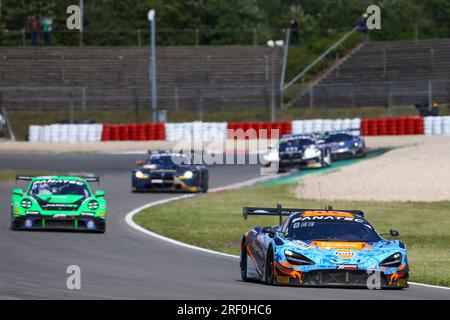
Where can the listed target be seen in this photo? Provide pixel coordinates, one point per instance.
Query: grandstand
(101, 77)
(383, 73)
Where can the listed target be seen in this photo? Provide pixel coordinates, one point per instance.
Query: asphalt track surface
(126, 264)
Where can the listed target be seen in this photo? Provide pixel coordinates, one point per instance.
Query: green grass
(10, 175)
(20, 120)
(215, 221)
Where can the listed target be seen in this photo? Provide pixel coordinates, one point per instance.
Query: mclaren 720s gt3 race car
(316, 247)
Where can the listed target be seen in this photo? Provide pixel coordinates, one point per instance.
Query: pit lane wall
(209, 131)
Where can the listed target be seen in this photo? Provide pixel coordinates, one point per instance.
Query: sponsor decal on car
(345, 253)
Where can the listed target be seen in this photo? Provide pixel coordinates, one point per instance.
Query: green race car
(58, 203)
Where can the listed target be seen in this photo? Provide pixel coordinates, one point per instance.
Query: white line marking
(428, 285)
(134, 225)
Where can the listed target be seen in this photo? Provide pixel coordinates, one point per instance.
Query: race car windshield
(332, 231)
(58, 188)
(297, 143)
(338, 138)
(166, 161)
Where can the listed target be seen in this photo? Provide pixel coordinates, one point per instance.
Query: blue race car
(168, 171)
(343, 145)
(315, 247)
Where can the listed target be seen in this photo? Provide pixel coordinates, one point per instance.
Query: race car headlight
(187, 175)
(311, 152)
(141, 175)
(26, 204)
(272, 155)
(93, 205)
(297, 258)
(394, 261)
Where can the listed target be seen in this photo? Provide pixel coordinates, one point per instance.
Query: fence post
(71, 108)
(24, 38)
(197, 37)
(284, 66)
(139, 31)
(272, 113)
(430, 93)
(200, 105)
(267, 79)
(416, 31)
(83, 98)
(177, 103)
(337, 65)
(311, 97)
(389, 113)
(8, 123)
(431, 59)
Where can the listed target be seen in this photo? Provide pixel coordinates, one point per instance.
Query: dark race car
(299, 151)
(316, 247)
(344, 145)
(166, 171)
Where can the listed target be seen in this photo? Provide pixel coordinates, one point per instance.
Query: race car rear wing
(29, 178)
(283, 212)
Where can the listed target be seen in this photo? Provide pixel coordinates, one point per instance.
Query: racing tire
(243, 264)
(326, 159)
(12, 224)
(205, 186)
(269, 268)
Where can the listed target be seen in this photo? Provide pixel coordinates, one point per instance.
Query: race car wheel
(326, 158)
(269, 268)
(243, 264)
(205, 186)
(12, 223)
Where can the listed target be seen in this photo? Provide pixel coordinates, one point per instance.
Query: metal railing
(140, 37)
(176, 98)
(380, 93)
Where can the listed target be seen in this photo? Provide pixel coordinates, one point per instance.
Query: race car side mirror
(18, 192)
(269, 230)
(394, 233)
(140, 163)
(99, 194)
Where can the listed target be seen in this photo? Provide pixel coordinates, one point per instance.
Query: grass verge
(10, 175)
(215, 221)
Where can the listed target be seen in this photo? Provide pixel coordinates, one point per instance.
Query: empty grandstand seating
(215, 76)
(381, 73)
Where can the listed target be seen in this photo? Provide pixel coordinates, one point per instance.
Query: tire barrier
(65, 133)
(256, 130)
(392, 126)
(210, 131)
(206, 131)
(437, 125)
(133, 132)
(324, 125)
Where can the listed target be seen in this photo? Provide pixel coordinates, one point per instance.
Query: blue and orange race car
(316, 247)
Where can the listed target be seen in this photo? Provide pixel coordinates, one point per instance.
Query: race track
(126, 264)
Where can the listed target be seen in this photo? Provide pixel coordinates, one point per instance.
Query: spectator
(47, 29)
(294, 29)
(34, 29)
(362, 25)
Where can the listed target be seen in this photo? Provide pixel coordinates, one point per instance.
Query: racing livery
(299, 151)
(58, 203)
(315, 247)
(344, 145)
(165, 171)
